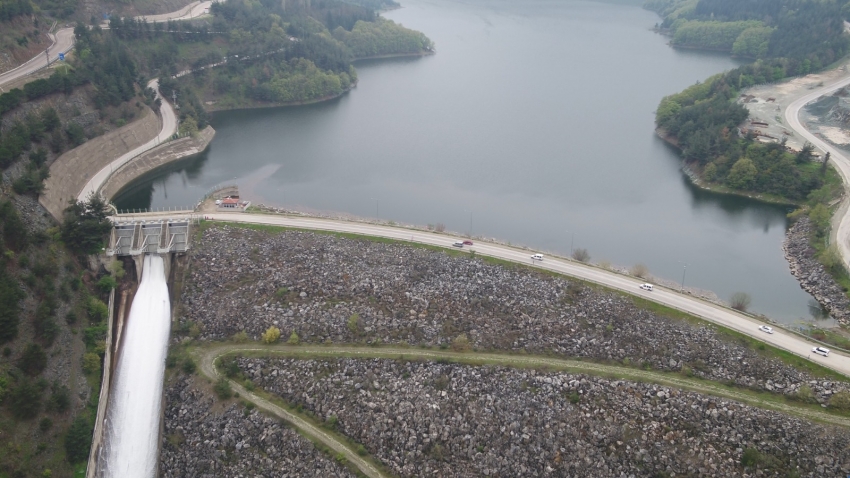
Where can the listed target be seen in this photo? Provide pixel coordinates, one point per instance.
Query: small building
(229, 203)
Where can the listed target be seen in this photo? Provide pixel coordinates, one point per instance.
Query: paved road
(169, 127)
(63, 41)
(841, 224)
(706, 310)
(193, 10)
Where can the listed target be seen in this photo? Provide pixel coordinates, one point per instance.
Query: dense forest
(789, 38)
(799, 29)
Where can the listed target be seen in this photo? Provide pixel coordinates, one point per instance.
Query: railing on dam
(133, 237)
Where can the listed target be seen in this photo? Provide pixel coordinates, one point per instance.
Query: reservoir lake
(532, 124)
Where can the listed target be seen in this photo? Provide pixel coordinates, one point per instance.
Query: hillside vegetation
(788, 38)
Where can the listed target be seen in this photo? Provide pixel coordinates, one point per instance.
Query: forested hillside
(789, 38)
(800, 29)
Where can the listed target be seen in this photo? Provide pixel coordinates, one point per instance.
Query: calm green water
(533, 124)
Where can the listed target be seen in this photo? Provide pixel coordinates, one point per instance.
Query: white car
(821, 351)
(646, 287)
(765, 328)
(458, 244)
(537, 257)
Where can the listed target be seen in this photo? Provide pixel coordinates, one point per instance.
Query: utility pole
(684, 270)
(47, 55)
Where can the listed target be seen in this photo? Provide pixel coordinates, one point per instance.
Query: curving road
(193, 10)
(700, 308)
(169, 127)
(63, 41)
(841, 221)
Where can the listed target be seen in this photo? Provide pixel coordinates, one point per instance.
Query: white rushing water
(132, 425)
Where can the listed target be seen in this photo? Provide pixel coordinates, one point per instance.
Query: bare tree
(740, 301)
(640, 270)
(581, 255)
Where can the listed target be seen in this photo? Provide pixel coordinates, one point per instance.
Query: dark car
(467, 243)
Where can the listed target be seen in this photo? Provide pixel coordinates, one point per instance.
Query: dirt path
(207, 361)
(209, 354)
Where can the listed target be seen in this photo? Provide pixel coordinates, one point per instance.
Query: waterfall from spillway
(132, 425)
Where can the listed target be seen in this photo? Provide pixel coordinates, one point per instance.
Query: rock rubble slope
(200, 442)
(433, 419)
(329, 288)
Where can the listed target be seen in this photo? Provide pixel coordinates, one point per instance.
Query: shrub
(581, 255)
(25, 399)
(354, 323)
(33, 360)
(840, 401)
(460, 343)
(222, 389)
(740, 301)
(293, 339)
(91, 363)
(60, 399)
(97, 310)
(45, 424)
(272, 335)
(106, 284)
(640, 270)
(78, 440)
(332, 422)
(231, 368)
(240, 337)
(189, 366)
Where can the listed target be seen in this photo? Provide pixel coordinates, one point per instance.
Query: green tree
(742, 175)
(86, 224)
(32, 360)
(78, 440)
(10, 308)
(25, 399)
(820, 217)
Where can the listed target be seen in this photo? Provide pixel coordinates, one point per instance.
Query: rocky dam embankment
(441, 419)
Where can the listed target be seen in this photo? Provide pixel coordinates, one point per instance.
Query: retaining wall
(155, 158)
(71, 171)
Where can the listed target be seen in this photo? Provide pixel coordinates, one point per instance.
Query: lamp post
(572, 241)
(684, 270)
(470, 222)
(377, 209)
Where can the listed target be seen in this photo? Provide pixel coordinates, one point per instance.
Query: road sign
(62, 57)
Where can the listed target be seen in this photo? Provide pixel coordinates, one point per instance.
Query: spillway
(131, 435)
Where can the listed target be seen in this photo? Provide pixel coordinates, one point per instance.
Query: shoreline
(697, 181)
(211, 108)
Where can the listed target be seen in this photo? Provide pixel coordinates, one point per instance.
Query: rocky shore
(200, 441)
(433, 419)
(812, 275)
(326, 288)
